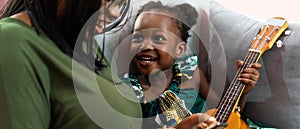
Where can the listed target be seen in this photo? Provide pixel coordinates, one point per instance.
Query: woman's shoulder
(20, 43)
(14, 32)
(13, 29)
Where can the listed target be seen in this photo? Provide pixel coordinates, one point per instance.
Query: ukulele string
(259, 37)
(237, 86)
(234, 88)
(267, 39)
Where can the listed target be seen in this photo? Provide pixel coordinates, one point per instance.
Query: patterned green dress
(183, 69)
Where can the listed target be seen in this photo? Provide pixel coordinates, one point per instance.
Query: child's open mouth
(146, 60)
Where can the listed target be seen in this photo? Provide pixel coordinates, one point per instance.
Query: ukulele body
(234, 121)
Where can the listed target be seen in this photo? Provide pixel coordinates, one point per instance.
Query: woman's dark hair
(61, 23)
(184, 14)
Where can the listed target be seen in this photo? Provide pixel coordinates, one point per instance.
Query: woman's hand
(197, 121)
(249, 76)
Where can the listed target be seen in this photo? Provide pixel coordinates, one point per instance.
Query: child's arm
(249, 77)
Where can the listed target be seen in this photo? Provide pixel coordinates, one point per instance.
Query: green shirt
(42, 88)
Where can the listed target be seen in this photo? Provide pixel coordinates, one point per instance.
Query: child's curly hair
(185, 15)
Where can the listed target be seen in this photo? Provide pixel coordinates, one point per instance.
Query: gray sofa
(221, 37)
(276, 99)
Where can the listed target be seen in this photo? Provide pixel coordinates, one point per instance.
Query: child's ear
(180, 49)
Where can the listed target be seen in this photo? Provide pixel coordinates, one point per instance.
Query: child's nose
(147, 45)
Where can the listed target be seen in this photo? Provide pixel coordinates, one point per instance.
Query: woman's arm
(24, 99)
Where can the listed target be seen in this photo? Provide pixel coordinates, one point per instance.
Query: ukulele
(227, 111)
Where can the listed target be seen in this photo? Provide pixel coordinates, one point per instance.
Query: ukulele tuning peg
(279, 43)
(287, 32)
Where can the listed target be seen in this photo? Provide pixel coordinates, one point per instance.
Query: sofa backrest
(276, 99)
(222, 37)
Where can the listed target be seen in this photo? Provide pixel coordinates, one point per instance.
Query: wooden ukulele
(226, 110)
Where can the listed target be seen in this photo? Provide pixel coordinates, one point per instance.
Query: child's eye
(137, 38)
(159, 38)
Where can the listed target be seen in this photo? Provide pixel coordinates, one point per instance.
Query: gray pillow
(275, 100)
(223, 36)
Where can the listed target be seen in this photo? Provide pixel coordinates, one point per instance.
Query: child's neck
(156, 83)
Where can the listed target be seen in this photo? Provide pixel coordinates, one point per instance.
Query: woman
(37, 39)
(39, 87)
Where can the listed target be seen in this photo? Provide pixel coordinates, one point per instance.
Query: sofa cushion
(275, 99)
(221, 37)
